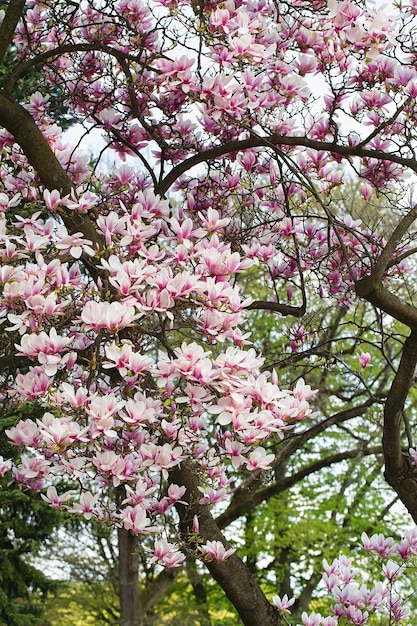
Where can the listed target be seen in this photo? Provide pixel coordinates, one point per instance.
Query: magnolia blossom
(166, 554)
(5, 465)
(215, 550)
(109, 315)
(134, 518)
(87, 505)
(25, 433)
(55, 500)
(283, 604)
(364, 359)
(259, 459)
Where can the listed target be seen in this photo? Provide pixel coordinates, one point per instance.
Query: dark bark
(400, 472)
(277, 307)
(232, 575)
(13, 14)
(374, 292)
(41, 157)
(130, 609)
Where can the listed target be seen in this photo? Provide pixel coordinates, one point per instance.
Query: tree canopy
(199, 319)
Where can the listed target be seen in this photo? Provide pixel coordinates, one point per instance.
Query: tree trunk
(232, 575)
(200, 593)
(130, 608)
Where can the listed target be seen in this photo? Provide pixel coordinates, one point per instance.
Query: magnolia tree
(123, 301)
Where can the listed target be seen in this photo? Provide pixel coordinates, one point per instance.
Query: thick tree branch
(247, 502)
(278, 141)
(392, 243)
(128, 578)
(41, 157)
(22, 126)
(232, 575)
(8, 26)
(43, 58)
(277, 307)
(249, 486)
(400, 472)
(374, 292)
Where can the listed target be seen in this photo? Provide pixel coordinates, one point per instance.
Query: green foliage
(81, 604)
(25, 523)
(30, 81)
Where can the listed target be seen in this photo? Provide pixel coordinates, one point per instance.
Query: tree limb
(277, 307)
(400, 472)
(8, 26)
(374, 292)
(232, 575)
(275, 141)
(19, 123)
(250, 500)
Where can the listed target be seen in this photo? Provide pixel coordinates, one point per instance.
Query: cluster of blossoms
(354, 603)
(119, 408)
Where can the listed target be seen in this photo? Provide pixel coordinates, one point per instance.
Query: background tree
(26, 524)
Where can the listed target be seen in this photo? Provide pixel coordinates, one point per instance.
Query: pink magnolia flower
(175, 493)
(25, 433)
(212, 496)
(109, 315)
(134, 518)
(77, 398)
(52, 199)
(392, 570)
(7, 203)
(141, 495)
(59, 433)
(32, 468)
(215, 551)
(234, 450)
(47, 348)
(110, 225)
(166, 554)
(161, 458)
(364, 359)
(378, 544)
(55, 500)
(283, 604)
(75, 244)
(312, 619)
(5, 466)
(212, 221)
(141, 409)
(259, 459)
(86, 505)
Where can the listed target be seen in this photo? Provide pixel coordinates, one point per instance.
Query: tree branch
(247, 502)
(400, 472)
(374, 292)
(275, 141)
(232, 575)
(8, 26)
(277, 307)
(41, 157)
(392, 243)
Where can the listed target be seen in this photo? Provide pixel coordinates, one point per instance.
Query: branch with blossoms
(353, 602)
